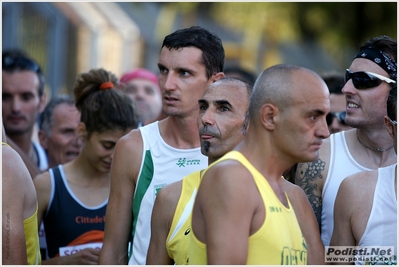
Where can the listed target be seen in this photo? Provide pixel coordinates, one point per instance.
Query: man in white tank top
(368, 146)
(163, 152)
(376, 223)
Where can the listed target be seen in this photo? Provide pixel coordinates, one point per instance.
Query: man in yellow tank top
(20, 238)
(222, 124)
(242, 214)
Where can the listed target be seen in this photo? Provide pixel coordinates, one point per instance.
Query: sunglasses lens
(329, 118)
(362, 80)
(341, 117)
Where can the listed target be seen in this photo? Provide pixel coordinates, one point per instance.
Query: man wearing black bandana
(368, 146)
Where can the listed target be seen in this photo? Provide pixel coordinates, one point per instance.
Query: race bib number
(65, 251)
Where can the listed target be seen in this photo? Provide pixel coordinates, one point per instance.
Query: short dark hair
(334, 81)
(17, 60)
(244, 73)
(47, 116)
(209, 43)
(392, 103)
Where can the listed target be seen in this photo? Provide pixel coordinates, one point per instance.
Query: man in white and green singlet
(162, 152)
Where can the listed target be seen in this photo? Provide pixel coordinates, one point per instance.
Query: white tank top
(161, 165)
(342, 164)
(381, 229)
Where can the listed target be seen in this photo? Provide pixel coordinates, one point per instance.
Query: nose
(169, 82)
(208, 118)
(140, 94)
(16, 104)
(348, 88)
(323, 132)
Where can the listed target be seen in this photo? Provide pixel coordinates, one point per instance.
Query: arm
(124, 170)
(310, 176)
(307, 223)
(17, 205)
(161, 220)
(343, 209)
(224, 211)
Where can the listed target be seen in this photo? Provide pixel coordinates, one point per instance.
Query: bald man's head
(283, 86)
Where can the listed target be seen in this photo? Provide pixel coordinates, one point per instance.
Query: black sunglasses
(339, 115)
(10, 63)
(364, 80)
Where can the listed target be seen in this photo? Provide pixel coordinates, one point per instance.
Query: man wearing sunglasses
(23, 98)
(368, 146)
(377, 225)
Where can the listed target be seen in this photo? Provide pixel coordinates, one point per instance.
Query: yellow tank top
(32, 240)
(178, 238)
(278, 241)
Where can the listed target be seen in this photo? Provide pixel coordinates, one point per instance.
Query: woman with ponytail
(73, 197)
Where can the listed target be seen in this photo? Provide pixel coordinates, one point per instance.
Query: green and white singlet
(161, 165)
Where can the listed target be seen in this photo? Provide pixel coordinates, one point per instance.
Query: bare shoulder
(130, 144)
(17, 186)
(13, 168)
(226, 179)
(127, 155)
(359, 183)
(130, 141)
(226, 170)
(169, 195)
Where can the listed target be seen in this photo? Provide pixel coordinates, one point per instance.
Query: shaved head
(280, 85)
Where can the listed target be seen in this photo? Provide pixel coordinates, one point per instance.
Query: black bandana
(380, 58)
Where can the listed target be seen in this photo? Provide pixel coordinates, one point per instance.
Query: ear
(42, 103)
(43, 140)
(217, 76)
(82, 132)
(267, 115)
(389, 127)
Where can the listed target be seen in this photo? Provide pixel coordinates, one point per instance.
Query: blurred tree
(336, 26)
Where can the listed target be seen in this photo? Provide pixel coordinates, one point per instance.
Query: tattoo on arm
(309, 178)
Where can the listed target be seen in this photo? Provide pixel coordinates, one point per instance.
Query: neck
(369, 146)
(23, 141)
(255, 152)
(181, 133)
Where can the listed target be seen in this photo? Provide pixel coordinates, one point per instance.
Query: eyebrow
(202, 101)
(318, 112)
(161, 66)
(217, 102)
(222, 103)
